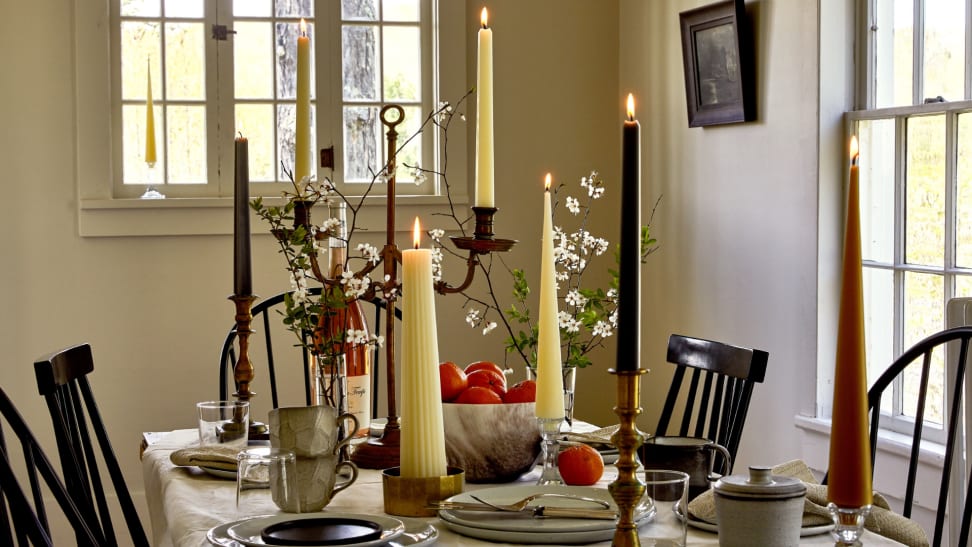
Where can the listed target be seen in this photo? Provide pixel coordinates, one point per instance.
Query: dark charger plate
(322, 531)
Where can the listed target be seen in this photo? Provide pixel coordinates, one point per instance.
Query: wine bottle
(339, 317)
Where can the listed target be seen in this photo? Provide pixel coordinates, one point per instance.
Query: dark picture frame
(717, 57)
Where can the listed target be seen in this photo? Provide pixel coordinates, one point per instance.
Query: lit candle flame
(303, 27)
(483, 19)
(416, 234)
(854, 149)
(546, 182)
(630, 107)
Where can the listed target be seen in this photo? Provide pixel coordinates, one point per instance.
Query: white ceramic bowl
(493, 443)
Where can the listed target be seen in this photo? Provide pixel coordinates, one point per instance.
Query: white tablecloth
(185, 502)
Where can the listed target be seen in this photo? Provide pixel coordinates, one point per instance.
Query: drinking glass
(223, 423)
(669, 491)
(262, 468)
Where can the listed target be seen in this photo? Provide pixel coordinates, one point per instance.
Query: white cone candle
(550, 378)
(422, 432)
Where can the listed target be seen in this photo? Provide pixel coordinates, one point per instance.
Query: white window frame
(102, 213)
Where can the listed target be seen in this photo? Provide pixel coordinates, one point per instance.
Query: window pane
(877, 189)
(362, 142)
(252, 8)
(924, 312)
(359, 10)
(140, 8)
(184, 8)
(411, 154)
(944, 51)
(963, 193)
(134, 168)
(253, 60)
(286, 145)
(295, 8)
(185, 61)
(963, 286)
(360, 62)
(287, 34)
(400, 10)
(186, 144)
(402, 60)
(255, 121)
(925, 194)
(935, 404)
(141, 45)
(893, 45)
(878, 319)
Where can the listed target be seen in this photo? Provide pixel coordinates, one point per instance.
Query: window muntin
(193, 74)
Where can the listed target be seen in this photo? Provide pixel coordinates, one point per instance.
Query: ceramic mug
(695, 456)
(313, 433)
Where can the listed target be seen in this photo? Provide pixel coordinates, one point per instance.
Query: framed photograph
(717, 56)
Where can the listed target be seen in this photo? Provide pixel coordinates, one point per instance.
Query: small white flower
(602, 329)
(419, 176)
(575, 298)
(472, 317)
(573, 205)
(600, 246)
(613, 319)
(378, 340)
(489, 327)
(436, 233)
(567, 322)
(612, 295)
(562, 276)
(462, 116)
(369, 252)
(330, 225)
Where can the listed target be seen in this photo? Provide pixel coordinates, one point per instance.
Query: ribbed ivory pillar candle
(550, 378)
(849, 485)
(422, 433)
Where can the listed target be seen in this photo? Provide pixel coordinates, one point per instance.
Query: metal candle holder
(627, 490)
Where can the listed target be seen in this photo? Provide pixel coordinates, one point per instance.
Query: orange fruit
(580, 465)
(522, 392)
(485, 365)
(478, 395)
(487, 378)
(452, 380)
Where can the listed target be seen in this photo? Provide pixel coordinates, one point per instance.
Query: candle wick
(854, 160)
(240, 133)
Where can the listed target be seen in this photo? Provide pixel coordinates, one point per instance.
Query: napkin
(214, 456)
(600, 436)
(881, 520)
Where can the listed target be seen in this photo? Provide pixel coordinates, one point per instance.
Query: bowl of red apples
(490, 427)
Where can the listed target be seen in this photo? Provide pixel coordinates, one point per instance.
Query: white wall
(155, 309)
(738, 221)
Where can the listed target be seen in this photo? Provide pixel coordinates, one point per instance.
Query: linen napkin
(213, 456)
(881, 520)
(600, 436)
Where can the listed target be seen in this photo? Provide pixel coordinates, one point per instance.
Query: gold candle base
(627, 490)
(411, 497)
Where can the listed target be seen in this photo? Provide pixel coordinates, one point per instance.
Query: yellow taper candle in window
(849, 484)
(484, 117)
(550, 379)
(149, 119)
(422, 433)
(302, 141)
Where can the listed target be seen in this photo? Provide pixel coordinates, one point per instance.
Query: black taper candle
(629, 281)
(242, 282)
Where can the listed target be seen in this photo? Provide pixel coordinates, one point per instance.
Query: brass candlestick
(627, 490)
(243, 368)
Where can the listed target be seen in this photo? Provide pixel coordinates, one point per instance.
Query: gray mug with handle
(695, 456)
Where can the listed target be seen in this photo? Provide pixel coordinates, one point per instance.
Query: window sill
(214, 216)
(889, 442)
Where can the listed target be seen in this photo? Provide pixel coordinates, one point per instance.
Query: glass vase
(329, 387)
(570, 382)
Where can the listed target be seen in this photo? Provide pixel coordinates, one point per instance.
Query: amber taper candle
(150, 156)
(303, 166)
(629, 279)
(849, 483)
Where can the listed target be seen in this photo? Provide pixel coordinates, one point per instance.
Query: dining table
(185, 503)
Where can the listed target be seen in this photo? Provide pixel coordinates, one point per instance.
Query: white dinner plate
(548, 538)
(248, 531)
(709, 527)
(219, 473)
(418, 533)
(525, 523)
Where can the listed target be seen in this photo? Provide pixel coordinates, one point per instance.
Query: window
(916, 185)
(208, 88)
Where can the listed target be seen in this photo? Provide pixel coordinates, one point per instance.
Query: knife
(537, 511)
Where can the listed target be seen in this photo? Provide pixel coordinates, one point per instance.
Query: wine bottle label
(359, 401)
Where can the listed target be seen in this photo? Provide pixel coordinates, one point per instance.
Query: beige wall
(155, 309)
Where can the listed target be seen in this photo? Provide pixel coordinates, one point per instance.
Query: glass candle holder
(550, 445)
(848, 523)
